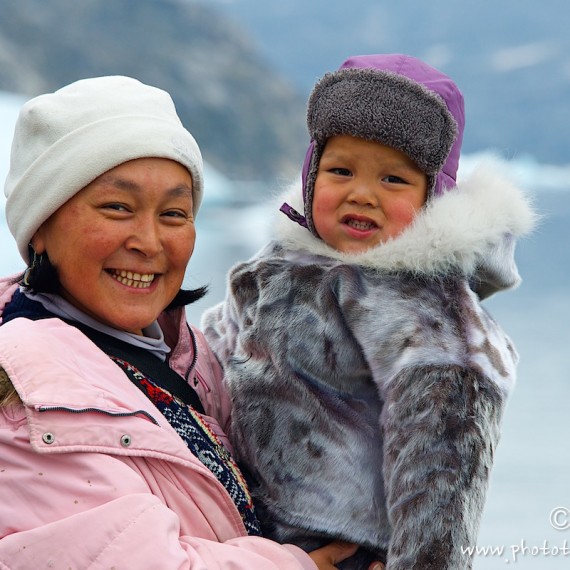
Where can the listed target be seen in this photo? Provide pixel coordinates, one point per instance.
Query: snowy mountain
(240, 70)
(247, 119)
(511, 59)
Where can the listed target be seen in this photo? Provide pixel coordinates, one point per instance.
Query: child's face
(365, 193)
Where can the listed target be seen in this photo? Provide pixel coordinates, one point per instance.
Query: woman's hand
(326, 557)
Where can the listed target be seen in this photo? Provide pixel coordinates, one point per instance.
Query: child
(367, 381)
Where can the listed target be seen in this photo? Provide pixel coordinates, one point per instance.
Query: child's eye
(341, 171)
(391, 179)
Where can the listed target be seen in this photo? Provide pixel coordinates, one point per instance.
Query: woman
(112, 449)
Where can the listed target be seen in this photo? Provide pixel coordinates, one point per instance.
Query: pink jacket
(92, 476)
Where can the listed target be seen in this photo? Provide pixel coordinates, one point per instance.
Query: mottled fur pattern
(367, 395)
(440, 431)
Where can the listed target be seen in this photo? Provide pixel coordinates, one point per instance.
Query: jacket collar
(471, 229)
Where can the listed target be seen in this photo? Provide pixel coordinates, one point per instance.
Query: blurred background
(240, 72)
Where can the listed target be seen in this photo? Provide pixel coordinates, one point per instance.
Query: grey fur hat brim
(384, 107)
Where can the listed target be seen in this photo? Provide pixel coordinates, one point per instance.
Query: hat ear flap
(310, 170)
(288, 210)
(306, 167)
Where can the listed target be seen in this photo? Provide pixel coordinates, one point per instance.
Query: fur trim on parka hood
(471, 230)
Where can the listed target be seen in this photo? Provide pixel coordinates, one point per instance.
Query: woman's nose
(145, 238)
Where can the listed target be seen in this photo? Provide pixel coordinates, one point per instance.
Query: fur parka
(368, 389)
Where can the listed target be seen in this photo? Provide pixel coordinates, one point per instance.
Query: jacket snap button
(48, 438)
(126, 440)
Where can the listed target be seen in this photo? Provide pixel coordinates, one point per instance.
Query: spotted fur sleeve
(441, 426)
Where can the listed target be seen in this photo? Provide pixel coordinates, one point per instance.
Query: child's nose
(363, 194)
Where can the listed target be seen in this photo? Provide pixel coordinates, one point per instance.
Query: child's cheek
(401, 215)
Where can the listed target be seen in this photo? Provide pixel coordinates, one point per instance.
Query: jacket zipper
(197, 377)
(97, 410)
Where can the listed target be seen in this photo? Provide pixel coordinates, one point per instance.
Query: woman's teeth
(130, 279)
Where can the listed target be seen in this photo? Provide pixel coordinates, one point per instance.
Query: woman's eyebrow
(180, 191)
(130, 186)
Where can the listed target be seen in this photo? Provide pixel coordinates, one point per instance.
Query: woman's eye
(116, 207)
(176, 214)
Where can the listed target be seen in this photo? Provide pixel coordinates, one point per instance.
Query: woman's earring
(36, 261)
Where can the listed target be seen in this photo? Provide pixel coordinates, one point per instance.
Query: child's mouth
(361, 225)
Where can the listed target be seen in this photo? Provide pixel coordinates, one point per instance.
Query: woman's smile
(131, 278)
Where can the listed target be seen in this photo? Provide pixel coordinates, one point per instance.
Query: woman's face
(121, 245)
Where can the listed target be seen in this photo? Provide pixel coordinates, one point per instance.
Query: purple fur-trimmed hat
(396, 100)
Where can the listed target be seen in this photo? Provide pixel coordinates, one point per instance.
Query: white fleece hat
(66, 139)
